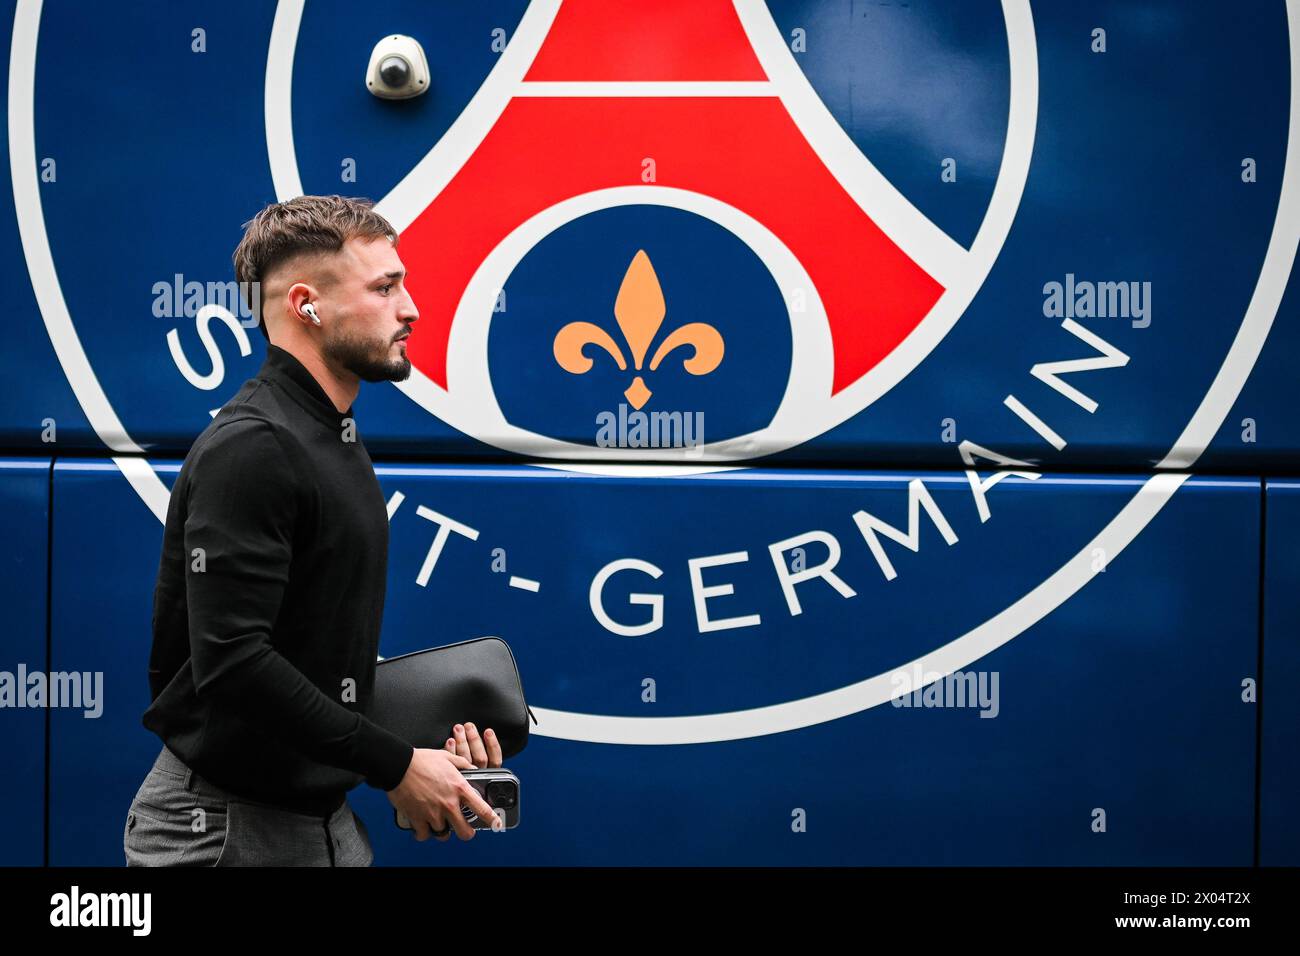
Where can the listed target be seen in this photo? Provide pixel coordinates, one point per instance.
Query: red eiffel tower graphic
(615, 83)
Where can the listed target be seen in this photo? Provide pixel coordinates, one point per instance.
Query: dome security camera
(398, 69)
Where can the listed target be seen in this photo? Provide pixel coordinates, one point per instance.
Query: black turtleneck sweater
(269, 601)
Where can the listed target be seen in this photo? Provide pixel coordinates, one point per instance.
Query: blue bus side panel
(1279, 795)
(24, 529)
(1134, 719)
(107, 546)
(1111, 196)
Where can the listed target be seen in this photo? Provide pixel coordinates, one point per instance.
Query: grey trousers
(179, 819)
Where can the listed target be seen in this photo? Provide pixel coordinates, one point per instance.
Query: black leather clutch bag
(421, 696)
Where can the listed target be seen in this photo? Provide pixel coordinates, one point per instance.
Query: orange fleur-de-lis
(640, 310)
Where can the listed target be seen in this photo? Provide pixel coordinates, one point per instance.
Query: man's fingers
(462, 744)
(474, 800)
(493, 748)
(477, 752)
(437, 823)
(459, 824)
(460, 762)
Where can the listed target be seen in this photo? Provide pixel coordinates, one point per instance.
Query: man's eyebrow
(389, 275)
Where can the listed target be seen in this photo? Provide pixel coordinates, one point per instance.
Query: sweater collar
(282, 367)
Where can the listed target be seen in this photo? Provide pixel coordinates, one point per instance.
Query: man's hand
(433, 790)
(483, 752)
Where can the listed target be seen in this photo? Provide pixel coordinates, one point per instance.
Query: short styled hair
(306, 224)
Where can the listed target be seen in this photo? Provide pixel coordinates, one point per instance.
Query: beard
(369, 359)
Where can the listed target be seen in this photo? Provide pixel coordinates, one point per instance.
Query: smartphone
(497, 786)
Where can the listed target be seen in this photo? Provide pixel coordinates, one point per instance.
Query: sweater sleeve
(243, 504)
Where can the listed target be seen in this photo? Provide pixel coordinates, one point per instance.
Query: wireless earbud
(311, 310)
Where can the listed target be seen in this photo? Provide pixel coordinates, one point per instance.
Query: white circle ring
(1066, 581)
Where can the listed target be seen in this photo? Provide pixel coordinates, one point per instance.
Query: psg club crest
(705, 234)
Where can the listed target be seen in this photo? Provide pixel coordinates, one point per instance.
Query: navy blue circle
(706, 273)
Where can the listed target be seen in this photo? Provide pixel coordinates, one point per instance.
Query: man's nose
(409, 312)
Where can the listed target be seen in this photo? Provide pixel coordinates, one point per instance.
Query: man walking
(271, 584)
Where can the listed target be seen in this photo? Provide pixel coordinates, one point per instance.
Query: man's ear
(299, 295)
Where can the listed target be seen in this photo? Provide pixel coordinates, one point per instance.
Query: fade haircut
(305, 225)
